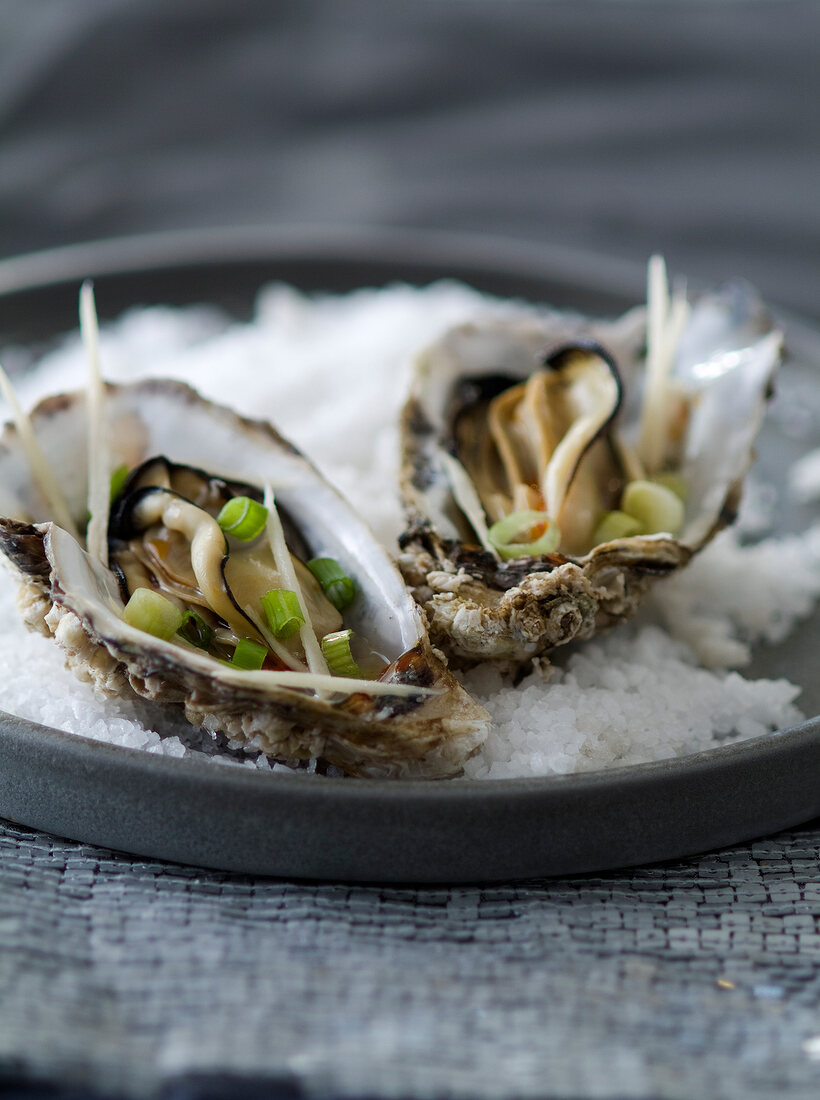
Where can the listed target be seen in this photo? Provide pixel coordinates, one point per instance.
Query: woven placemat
(681, 980)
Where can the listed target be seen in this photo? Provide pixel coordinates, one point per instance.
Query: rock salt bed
(731, 596)
(331, 373)
(635, 696)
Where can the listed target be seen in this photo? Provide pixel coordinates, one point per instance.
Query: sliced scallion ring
(336, 585)
(284, 615)
(195, 630)
(616, 525)
(657, 508)
(243, 517)
(249, 655)
(336, 650)
(505, 535)
(118, 479)
(152, 612)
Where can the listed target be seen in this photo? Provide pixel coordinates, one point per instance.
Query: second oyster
(547, 486)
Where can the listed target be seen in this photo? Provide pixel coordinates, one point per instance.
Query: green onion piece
(616, 525)
(243, 518)
(503, 534)
(281, 606)
(150, 611)
(195, 630)
(336, 585)
(249, 655)
(676, 482)
(118, 479)
(336, 650)
(654, 506)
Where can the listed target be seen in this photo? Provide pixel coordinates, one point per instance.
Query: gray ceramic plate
(310, 827)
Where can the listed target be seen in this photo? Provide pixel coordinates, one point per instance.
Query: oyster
(409, 716)
(533, 424)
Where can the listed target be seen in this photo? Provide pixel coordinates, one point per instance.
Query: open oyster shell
(552, 414)
(416, 721)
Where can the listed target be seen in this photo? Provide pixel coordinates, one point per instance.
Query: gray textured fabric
(696, 979)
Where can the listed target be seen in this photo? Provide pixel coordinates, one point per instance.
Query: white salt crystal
(169, 746)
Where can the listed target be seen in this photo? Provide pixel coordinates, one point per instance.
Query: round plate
(367, 830)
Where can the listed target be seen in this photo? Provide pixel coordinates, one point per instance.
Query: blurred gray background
(612, 126)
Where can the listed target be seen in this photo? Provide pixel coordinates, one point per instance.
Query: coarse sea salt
(626, 699)
(661, 686)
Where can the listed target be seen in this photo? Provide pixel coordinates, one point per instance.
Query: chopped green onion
(336, 650)
(616, 525)
(249, 655)
(281, 606)
(118, 479)
(336, 585)
(243, 518)
(195, 630)
(657, 508)
(676, 482)
(503, 533)
(152, 612)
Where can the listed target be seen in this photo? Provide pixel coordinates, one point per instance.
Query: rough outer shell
(479, 608)
(70, 596)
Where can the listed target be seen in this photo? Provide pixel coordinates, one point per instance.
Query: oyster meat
(396, 710)
(552, 470)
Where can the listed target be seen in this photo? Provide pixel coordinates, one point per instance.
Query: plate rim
(215, 245)
(459, 787)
